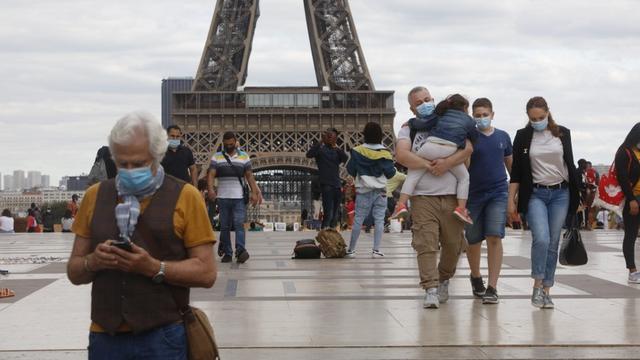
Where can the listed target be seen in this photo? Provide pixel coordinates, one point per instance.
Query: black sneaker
(477, 285)
(226, 258)
(242, 257)
(490, 296)
(220, 250)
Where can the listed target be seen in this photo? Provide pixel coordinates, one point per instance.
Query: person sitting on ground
(6, 222)
(256, 226)
(449, 127)
(32, 224)
(67, 221)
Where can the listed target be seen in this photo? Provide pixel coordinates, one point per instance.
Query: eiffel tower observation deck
(276, 125)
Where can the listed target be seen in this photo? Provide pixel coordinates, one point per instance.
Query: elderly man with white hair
(142, 239)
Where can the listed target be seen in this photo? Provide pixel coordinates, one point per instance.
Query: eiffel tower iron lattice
(276, 125)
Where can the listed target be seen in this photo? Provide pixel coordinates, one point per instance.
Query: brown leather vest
(117, 296)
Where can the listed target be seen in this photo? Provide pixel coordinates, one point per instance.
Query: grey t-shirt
(429, 184)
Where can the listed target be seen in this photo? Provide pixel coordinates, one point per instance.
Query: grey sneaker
(351, 254)
(547, 302)
(431, 299)
(443, 292)
(490, 296)
(376, 254)
(634, 277)
(537, 298)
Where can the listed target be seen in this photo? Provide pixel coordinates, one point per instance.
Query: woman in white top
(545, 180)
(67, 221)
(6, 222)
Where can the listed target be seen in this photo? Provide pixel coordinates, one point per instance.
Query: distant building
(8, 183)
(46, 181)
(169, 86)
(19, 182)
(19, 202)
(34, 179)
(49, 196)
(77, 183)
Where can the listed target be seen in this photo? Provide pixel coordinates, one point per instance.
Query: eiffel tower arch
(277, 125)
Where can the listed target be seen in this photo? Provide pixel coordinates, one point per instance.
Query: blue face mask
(426, 109)
(174, 143)
(483, 123)
(134, 180)
(540, 125)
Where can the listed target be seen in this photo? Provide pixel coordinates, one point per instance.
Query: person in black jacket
(628, 172)
(545, 180)
(328, 158)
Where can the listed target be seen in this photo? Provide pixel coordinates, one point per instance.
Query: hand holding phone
(122, 244)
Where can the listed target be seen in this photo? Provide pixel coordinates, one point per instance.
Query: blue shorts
(489, 214)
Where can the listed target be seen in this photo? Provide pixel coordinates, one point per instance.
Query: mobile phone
(122, 244)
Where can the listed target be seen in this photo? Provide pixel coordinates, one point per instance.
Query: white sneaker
(351, 254)
(431, 299)
(443, 292)
(376, 254)
(634, 277)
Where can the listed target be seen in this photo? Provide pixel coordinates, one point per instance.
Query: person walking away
(230, 166)
(450, 126)
(178, 160)
(488, 193)
(328, 158)
(142, 240)
(545, 179)
(371, 164)
(627, 165)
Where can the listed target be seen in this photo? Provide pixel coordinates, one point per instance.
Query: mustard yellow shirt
(190, 222)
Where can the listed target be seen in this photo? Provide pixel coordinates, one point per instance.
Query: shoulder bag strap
(230, 164)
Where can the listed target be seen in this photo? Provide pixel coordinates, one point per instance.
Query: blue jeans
(489, 214)
(547, 212)
(331, 196)
(168, 342)
(232, 212)
(371, 202)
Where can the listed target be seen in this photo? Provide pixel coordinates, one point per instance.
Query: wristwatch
(159, 277)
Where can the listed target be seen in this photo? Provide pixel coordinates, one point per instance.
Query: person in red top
(73, 205)
(32, 223)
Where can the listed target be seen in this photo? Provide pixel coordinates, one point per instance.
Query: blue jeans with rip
(370, 202)
(168, 342)
(331, 196)
(232, 212)
(547, 212)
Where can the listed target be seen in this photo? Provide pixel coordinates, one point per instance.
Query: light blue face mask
(540, 125)
(134, 180)
(483, 123)
(174, 143)
(426, 109)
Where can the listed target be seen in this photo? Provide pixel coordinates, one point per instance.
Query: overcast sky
(70, 68)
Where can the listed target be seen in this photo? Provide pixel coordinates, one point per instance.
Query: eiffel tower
(277, 125)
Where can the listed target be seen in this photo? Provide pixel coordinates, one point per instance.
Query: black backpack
(306, 249)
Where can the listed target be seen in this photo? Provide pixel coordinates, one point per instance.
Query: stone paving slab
(274, 307)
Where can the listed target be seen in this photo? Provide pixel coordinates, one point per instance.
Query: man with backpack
(230, 166)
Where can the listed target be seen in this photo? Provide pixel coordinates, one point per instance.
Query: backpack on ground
(331, 243)
(306, 249)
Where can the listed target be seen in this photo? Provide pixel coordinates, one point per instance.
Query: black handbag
(245, 188)
(572, 250)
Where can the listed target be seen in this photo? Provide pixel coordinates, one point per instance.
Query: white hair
(131, 126)
(416, 90)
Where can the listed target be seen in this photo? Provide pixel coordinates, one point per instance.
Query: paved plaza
(274, 307)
